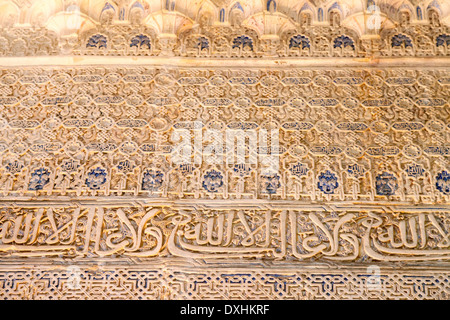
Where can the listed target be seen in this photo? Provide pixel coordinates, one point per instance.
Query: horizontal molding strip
(217, 63)
(234, 203)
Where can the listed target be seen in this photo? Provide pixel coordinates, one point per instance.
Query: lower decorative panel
(153, 249)
(194, 281)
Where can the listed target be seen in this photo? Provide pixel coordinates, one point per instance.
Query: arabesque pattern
(342, 135)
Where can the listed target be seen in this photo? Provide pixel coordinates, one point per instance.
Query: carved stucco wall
(95, 201)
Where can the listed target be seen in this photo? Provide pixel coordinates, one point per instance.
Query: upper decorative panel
(225, 28)
(168, 133)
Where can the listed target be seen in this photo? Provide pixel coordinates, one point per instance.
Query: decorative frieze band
(244, 29)
(214, 230)
(183, 281)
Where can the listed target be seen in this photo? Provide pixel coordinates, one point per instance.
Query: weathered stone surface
(263, 151)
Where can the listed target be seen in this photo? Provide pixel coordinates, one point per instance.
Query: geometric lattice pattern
(184, 283)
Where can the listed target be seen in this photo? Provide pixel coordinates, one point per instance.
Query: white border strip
(218, 63)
